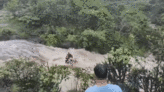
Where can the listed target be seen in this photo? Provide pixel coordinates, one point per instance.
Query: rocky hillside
(53, 55)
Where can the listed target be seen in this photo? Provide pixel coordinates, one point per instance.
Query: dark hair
(100, 71)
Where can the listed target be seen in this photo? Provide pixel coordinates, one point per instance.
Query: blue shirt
(107, 88)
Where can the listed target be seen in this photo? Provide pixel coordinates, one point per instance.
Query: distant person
(101, 82)
(69, 55)
(70, 60)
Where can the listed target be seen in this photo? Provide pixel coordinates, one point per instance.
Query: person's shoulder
(115, 87)
(90, 89)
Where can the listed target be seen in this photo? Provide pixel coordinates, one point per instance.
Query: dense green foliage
(121, 28)
(78, 17)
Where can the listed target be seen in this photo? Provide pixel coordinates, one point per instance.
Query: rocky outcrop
(18, 48)
(54, 55)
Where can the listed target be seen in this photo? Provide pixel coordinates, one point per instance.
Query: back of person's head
(100, 71)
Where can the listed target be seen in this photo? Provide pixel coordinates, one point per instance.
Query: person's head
(100, 71)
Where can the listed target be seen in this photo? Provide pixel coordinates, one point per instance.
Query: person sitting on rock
(101, 82)
(69, 55)
(70, 60)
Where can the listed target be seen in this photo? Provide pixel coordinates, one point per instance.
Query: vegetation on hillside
(120, 28)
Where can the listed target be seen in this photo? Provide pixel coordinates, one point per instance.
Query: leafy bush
(12, 5)
(50, 80)
(72, 38)
(100, 17)
(137, 23)
(120, 67)
(51, 39)
(30, 76)
(120, 61)
(24, 74)
(90, 39)
(147, 80)
(15, 88)
(62, 33)
(54, 39)
(7, 32)
(85, 77)
(19, 10)
(38, 12)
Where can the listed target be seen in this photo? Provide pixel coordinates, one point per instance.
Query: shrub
(27, 75)
(15, 88)
(50, 80)
(62, 33)
(24, 74)
(7, 32)
(51, 39)
(120, 61)
(54, 36)
(85, 77)
(90, 39)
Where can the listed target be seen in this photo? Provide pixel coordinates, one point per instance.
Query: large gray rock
(18, 48)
